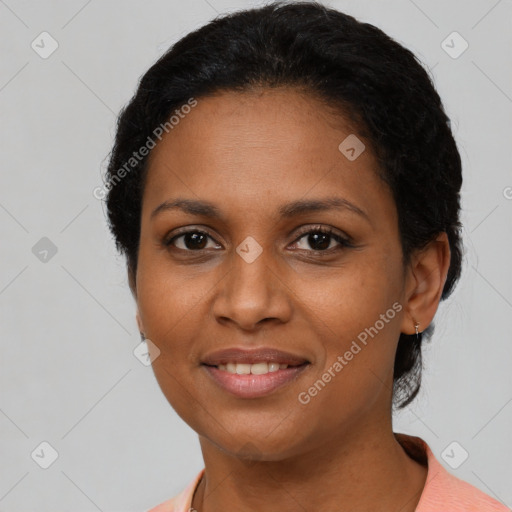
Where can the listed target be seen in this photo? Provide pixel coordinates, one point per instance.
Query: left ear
(425, 281)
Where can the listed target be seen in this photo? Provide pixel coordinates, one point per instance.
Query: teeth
(243, 369)
(258, 368)
(255, 369)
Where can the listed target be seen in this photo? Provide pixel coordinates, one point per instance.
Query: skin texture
(249, 154)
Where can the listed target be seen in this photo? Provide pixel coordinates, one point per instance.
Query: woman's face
(260, 275)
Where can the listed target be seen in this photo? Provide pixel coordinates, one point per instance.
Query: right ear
(139, 322)
(132, 282)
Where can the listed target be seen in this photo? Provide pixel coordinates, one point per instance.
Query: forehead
(268, 146)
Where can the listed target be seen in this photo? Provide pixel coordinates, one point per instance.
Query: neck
(362, 472)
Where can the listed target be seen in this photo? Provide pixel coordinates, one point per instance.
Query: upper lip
(250, 356)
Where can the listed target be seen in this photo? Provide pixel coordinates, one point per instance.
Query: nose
(252, 294)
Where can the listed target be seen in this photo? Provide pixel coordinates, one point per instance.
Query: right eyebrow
(190, 206)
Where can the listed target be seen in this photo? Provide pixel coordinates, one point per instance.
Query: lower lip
(254, 386)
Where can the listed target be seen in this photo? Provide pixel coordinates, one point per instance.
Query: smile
(259, 368)
(253, 380)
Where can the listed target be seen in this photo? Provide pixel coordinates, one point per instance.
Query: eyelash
(344, 242)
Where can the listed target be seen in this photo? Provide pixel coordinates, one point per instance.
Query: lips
(253, 373)
(253, 356)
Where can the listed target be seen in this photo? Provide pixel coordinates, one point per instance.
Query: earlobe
(140, 325)
(132, 281)
(426, 278)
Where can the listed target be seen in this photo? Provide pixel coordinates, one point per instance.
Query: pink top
(443, 492)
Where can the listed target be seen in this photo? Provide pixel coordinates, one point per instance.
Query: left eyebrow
(315, 205)
(295, 208)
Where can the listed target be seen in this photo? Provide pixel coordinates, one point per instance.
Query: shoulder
(444, 491)
(447, 492)
(182, 502)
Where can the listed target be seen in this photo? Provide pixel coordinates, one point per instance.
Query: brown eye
(191, 241)
(322, 240)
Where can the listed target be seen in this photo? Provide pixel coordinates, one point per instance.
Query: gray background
(68, 374)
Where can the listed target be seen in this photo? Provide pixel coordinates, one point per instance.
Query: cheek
(359, 310)
(168, 308)
(353, 297)
(167, 296)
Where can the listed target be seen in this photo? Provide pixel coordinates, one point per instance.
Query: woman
(285, 187)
